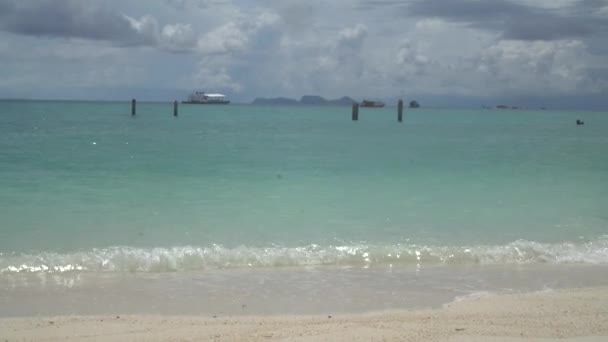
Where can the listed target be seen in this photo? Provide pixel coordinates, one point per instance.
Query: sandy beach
(571, 315)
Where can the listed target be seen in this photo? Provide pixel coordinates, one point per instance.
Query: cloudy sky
(443, 51)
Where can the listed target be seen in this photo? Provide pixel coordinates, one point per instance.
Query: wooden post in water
(355, 111)
(133, 107)
(175, 108)
(400, 111)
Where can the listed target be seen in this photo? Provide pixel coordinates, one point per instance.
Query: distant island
(506, 107)
(314, 100)
(509, 107)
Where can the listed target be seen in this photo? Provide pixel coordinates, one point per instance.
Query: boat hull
(207, 103)
(371, 104)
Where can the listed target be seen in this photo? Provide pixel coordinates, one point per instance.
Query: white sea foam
(469, 297)
(132, 259)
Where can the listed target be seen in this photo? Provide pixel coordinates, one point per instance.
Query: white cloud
(229, 46)
(430, 25)
(195, 4)
(409, 56)
(352, 37)
(602, 12)
(536, 66)
(234, 36)
(549, 4)
(146, 28)
(178, 37)
(173, 37)
(211, 76)
(228, 38)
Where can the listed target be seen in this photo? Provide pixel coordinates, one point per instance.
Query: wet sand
(579, 315)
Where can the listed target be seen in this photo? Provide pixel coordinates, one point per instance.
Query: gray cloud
(85, 20)
(6, 7)
(67, 18)
(516, 20)
(193, 4)
(599, 75)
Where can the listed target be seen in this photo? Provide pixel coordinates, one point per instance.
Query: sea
(285, 202)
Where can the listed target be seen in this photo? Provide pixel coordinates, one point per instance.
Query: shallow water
(286, 291)
(85, 187)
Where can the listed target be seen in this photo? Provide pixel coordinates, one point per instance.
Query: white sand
(574, 315)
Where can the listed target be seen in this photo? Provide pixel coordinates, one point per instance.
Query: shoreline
(277, 292)
(575, 314)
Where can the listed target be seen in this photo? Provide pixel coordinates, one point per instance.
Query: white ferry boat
(201, 97)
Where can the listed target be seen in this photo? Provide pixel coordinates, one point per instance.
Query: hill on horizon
(314, 100)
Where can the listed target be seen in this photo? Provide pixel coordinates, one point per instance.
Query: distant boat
(201, 97)
(372, 104)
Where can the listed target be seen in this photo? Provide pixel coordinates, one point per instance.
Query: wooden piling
(133, 107)
(400, 111)
(175, 108)
(355, 112)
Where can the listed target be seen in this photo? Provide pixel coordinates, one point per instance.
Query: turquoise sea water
(86, 187)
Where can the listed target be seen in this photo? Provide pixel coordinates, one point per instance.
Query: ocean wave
(186, 258)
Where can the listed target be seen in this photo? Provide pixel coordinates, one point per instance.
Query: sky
(440, 52)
